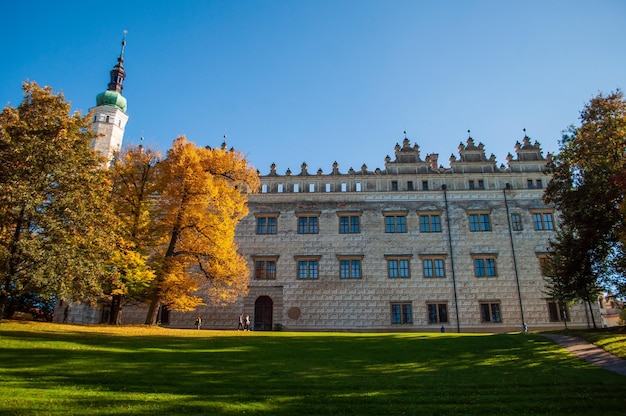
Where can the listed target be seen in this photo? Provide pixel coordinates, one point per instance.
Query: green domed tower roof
(113, 95)
(112, 99)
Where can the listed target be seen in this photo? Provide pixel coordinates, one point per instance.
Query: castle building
(412, 247)
(109, 114)
(415, 246)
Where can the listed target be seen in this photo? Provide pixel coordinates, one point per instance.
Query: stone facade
(435, 228)
(108, 123)
(413, 247)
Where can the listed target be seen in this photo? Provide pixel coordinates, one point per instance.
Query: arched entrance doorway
(263, 311)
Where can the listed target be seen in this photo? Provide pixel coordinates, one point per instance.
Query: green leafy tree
(566, 280)
(135, 189)
(55, 213)
(587, 188)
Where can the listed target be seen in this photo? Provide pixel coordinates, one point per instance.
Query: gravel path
(590, 352)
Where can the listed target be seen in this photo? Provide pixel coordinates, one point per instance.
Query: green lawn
(96, 370)
(611, 339)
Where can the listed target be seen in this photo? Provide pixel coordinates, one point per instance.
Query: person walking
(240, 325)
(246, 324)
(198, 322)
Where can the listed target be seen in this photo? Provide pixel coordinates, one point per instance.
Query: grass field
(55, 369)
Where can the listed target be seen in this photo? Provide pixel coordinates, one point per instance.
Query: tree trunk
(4, 300)
(153, 311)
(115, 309)
(593, 319)
(118, 321)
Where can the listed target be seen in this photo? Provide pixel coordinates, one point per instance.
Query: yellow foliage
(203, 194)
(133, 274)
(177, 288)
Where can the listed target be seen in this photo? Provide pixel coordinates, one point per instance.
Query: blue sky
(319, 81)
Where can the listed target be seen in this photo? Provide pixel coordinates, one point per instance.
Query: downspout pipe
(444, 188)
(519, 290)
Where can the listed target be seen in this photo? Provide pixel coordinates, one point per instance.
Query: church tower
(109, 115)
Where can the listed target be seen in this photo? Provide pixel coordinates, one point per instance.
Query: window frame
(433, 259)
(267, 261)
(404, 314)
(309, 226)
(543, 220)
(351, 218)
(557, 311)
(490, 306)
(352, 260)
(479, 221)
(489, 264)
(266, 216)
(312, 269)
(398, 260)
(437, 308)
(426, 221)
(517, 225)
(393, 228)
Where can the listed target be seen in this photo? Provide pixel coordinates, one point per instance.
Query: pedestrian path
(590, 352)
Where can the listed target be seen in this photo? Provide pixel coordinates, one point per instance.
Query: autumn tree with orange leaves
(202, 196)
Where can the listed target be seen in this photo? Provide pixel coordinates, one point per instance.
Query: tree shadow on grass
(265, 373)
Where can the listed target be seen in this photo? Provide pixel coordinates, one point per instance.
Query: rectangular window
(327, 187)
(401, 313)
(434, 267)
(296, 187)
(398, 268)
(558, 311)
(437, 313)
(490, 312)
(358, 186)
(485, 266)
(265, 269)
(425, 185)
(516, 222)
(350, 268)
(349, 224)
(539, 183)
(430, 223)
(266, 225)
(543, 221)
(394, 185)
(308, 225)
(529, 183)
(479, 222)
(344, 187)
(308, 269)
(395, 224)
(481, 184)
(280, 187)
(311, 187)
(409, 186)
(471, 185)
(264, 188)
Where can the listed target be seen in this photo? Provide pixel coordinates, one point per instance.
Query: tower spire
(117, 73)
(109, 114)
